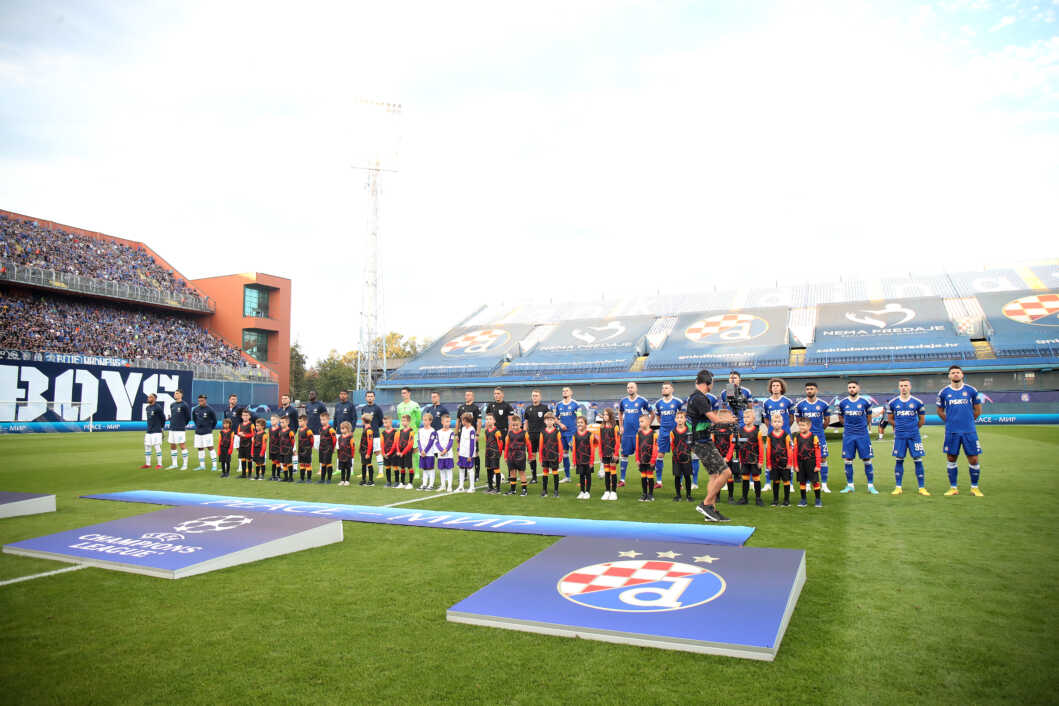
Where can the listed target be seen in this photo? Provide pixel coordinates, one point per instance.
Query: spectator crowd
(64, 325)
(29, 243)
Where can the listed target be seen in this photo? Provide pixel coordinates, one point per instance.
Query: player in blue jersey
(567, 410)
(665, 410)
(778, 403)
(816, 411)
(856, 437)
(906, 415)
(179, 416)
(959, 406)
(630, 409)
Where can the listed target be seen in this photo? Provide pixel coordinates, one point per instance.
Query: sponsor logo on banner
(213, 523)
(641, 586)
(599, 334)
(476, 342)
(891, 318)
(726, 328)
(1035, 309)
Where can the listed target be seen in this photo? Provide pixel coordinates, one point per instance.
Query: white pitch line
(430, 497)
(75, 567)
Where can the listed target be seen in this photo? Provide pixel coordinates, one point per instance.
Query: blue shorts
(853, 446)
(823, 444)
(912, 446)
(568, 439)
(628, 445)
(968, 440)
(663, 440)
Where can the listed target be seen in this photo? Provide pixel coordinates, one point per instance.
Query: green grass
(940, 600)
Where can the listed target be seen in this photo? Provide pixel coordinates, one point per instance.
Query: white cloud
(1004, 22)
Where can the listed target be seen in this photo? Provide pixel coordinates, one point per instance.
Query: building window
(255, 301)
(255, 343)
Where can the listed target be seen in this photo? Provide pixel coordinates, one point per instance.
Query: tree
(296, 383)
(330, 376)
(397, 346)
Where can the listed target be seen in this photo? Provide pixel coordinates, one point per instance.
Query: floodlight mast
(368, 353)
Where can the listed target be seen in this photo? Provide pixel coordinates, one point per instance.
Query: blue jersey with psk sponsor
(959, 408)
(567, 413)
(782, 407)
(155, 416)
(906, 416)
(667, 412)
(630, 411)
(815, 412)
(205, 419)
(855, 414)
(313, 410)
(179, 416)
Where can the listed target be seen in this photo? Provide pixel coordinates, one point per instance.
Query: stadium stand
(465, 351)
(807, 328)
(56, 324)
(33, 253)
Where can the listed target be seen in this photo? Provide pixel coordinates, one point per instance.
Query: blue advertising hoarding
(732, 601)
(65, 396)
(182, 541)
(733, 535)
(586, 344)
(744, 337)
(466, 350)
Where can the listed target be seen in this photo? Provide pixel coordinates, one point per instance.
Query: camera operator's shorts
(710, 457)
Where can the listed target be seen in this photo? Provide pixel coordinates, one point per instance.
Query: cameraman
(735, 397)
(703, 413)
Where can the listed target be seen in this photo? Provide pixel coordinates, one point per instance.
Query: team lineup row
(703, 428)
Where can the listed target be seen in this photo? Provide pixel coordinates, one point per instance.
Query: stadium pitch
(908, 599)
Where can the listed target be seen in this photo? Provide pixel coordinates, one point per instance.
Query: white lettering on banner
(9, 392)
(108, 544)
(123, 392)
(64, 395)
(663, 597)
(37, 385)
(161, 385)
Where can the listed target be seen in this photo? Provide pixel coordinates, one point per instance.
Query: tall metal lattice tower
(371, 348)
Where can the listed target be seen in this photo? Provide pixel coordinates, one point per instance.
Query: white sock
(158, 452)
(202, 457)
(184, 456)
(378, 460)
(213, 457)
(146, 455)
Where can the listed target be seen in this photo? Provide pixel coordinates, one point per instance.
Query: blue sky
(544, 150)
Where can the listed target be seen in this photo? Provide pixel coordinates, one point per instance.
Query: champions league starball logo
(725, 328)
(476, 342)
(162, 536)
(213, 523)
(1035, 309)
(643, 585)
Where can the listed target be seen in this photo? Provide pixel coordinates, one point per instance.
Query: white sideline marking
(46, 573)
(433, 494)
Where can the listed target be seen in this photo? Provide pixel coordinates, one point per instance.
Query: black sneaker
(544, 493)
(731, 500)
(509, 492)
(721, 518)
(786, 503)
(775, 503)
(371, 483)
(533, 480)
(363, 482)
(709, 512)
(759, 502)
(690, 499)
(650, 498)
(388, 485)
(524, 493)
(556, 493)
(741, 501)
(643, 498)
(677, 499)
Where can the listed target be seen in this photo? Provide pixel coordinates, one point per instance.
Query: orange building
(253, 313)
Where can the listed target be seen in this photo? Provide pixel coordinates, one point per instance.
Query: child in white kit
(467, 451)
(426, 438)
(444, 451)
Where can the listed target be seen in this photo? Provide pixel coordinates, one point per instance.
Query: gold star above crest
(631, 554)
(705, 559)
(667, 555)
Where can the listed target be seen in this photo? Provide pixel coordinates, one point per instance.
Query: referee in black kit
(470, 407)
(534, 414)
(501, 410)
(703, 413)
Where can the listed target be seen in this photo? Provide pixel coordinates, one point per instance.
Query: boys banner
(182, 541)
(692, 597)
(481, 522)
(35, 396)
